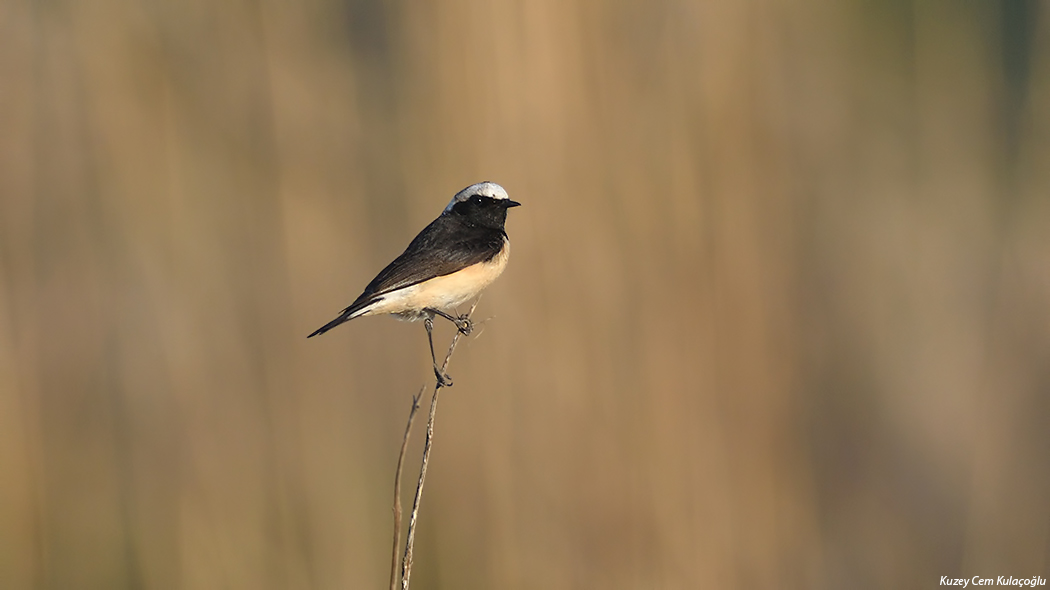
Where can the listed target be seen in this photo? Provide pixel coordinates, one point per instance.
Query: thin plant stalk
(406, 561)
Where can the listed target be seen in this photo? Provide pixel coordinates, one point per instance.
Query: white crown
(485, 189)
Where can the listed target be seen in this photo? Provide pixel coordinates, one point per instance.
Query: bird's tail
(348, 314)
(344, 317)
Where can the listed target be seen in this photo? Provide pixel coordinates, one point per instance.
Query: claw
(464, 325)
(443, 380)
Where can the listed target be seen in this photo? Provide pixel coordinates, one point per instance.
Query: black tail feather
(343, 317)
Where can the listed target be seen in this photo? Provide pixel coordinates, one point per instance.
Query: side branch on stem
(397, 489)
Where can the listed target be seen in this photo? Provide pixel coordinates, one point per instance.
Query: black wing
(448, 244)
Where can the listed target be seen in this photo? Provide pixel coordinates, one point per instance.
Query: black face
(484, 211)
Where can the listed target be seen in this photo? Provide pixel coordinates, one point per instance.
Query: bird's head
(484, 203)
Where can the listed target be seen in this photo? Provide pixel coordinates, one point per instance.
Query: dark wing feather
(446, 245)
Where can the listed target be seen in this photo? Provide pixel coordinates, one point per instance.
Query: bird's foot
(443, 379)
(464, 325)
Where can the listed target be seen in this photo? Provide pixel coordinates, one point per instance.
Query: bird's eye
(476, 199)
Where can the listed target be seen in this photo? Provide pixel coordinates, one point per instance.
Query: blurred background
(778, 313)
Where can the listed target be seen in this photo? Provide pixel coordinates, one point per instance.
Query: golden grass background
(777, 316)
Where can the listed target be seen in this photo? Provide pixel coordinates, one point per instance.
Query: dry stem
(406, 562)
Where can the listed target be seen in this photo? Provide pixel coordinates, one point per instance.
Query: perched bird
(447, 264)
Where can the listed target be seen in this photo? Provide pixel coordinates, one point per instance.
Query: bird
(449, 263)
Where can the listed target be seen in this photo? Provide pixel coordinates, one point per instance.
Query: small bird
(447, 264)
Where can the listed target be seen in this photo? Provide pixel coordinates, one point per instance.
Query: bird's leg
(463, 323)
(443, 379)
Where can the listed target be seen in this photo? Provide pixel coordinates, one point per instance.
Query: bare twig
(397, 489)
(406, 562)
